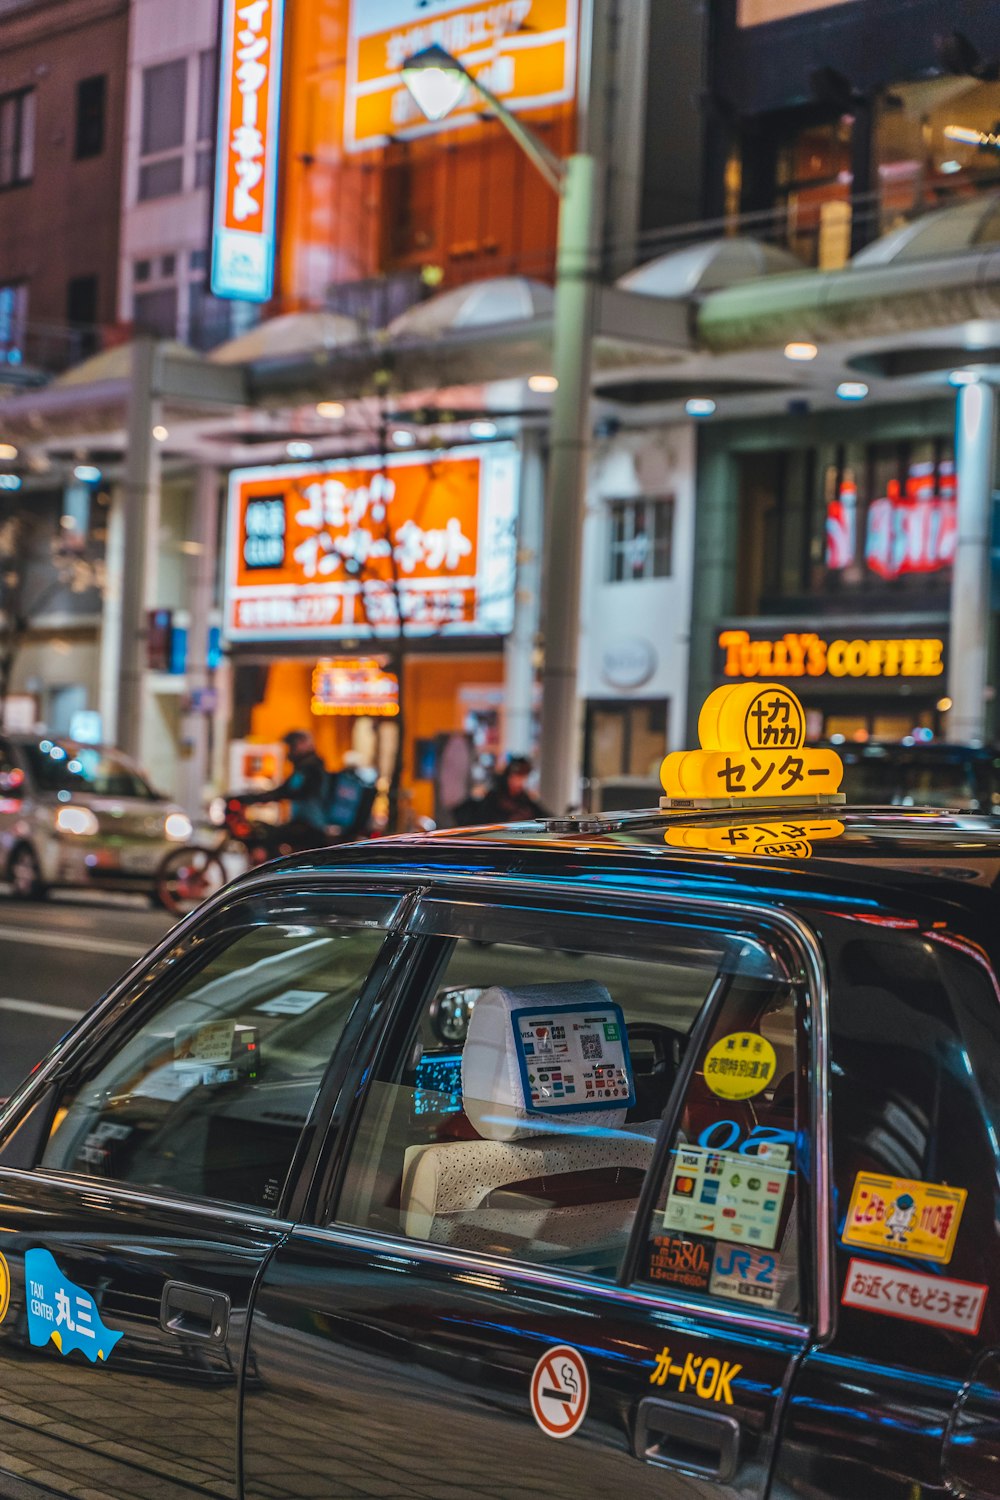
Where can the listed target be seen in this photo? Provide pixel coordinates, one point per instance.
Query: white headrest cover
(493, 1091)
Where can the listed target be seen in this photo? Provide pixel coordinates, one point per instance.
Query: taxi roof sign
(753, 752)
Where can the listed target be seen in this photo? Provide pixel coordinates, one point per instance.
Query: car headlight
(178, 826)
(77, 820)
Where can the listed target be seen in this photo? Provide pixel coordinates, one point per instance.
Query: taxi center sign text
(411, 544)
(523, 50)
(246, 172)
(806, 654)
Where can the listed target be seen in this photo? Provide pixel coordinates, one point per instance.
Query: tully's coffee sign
(807, 654)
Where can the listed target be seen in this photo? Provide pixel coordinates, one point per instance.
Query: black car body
(673, 1137)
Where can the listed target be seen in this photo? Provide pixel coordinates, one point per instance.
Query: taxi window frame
(461, 897)
(158, 977)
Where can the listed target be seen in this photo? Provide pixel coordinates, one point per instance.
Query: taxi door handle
(194, 1312)
(674, 1436)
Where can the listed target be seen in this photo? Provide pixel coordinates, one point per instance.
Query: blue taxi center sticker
(61, 1311)
(572, 1058)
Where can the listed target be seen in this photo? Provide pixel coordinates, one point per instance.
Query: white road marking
(39, 1008)
(55, 937)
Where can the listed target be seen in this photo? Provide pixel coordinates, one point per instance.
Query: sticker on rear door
(560, 1391)
(4, 1287)
(61, 1311)
(915, 1296)
(740, 1066)
(901, 1216)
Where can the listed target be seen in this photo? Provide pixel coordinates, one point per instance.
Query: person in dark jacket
(508, 799)
(306, 787)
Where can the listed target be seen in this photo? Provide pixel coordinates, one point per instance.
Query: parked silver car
(80, 815)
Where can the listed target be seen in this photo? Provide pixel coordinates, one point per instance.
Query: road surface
(56, 958)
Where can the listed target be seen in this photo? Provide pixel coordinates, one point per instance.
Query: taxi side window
(517, 1115)
(208, 1096)
(726, 1224)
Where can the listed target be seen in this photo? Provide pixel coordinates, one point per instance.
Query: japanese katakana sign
(915, 1296)
(789, 838)
(523, 50)
(752, 746)
(246, 176)
(417, 545)
(60, 1311)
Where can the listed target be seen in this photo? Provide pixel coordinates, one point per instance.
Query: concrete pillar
(971, 620)
(519, 648)
(141, 525)
(195, 770)
(111, 615)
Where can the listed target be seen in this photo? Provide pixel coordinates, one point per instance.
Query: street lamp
(434, 78)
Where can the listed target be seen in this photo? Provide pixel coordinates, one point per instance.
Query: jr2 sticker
(61, 1311)
(915, 1296)
(750, 1276)
(901, 1216)
(740, 1066)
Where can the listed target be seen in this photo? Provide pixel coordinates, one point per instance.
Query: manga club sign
(413, 544)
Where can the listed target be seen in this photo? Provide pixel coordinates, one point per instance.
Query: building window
(17, 137)
(81, 300)
(641, 536)
(90, 102)
(164, 101)
(156, 312)
(13, 323)
(207, 86)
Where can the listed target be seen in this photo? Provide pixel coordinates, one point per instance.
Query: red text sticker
(915, 1296)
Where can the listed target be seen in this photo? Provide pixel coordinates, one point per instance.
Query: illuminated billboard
(416, 544)
(523, 50)
(246, 168)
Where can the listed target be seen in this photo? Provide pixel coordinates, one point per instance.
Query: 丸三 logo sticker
(61, 1311)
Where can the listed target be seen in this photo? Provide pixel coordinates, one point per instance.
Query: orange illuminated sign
(246, 149)
(806, 654)
(413, 545)
(523, 50)
(752, 748)
(354, 685)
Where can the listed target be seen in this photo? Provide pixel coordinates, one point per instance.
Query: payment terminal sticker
(573, 1059)
(901, 1216)
(740, 1066)
(725, 1196)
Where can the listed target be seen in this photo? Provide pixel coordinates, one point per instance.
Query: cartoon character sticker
(903, 1216)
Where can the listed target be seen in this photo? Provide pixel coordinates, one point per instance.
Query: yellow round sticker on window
(740, 1065)
(4, 1288)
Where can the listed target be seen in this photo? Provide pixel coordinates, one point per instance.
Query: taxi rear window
(519, 1110)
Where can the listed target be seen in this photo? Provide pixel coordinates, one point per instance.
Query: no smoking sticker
(560, 1390)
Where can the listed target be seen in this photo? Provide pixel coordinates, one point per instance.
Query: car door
(499, 1299)
(146, 1176)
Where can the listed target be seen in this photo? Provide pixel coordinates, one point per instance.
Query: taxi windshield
(83, 770)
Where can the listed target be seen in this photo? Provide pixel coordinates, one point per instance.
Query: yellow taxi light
(752, 751)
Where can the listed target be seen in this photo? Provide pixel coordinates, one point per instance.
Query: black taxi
(651, 1155)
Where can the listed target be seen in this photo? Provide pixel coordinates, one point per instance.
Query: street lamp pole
(437, 82)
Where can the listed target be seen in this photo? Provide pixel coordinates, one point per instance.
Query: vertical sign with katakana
(246, 149)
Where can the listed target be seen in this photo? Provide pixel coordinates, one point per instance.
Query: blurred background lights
(7, 452)
(10, 481)
(544, 384)
(963, 377)
(299, 449)
(330, 409)
(852, 390)
(402, 438)
(87, 473)
(160, 433)
(699, 406)
(482, 429)
(800, 350)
